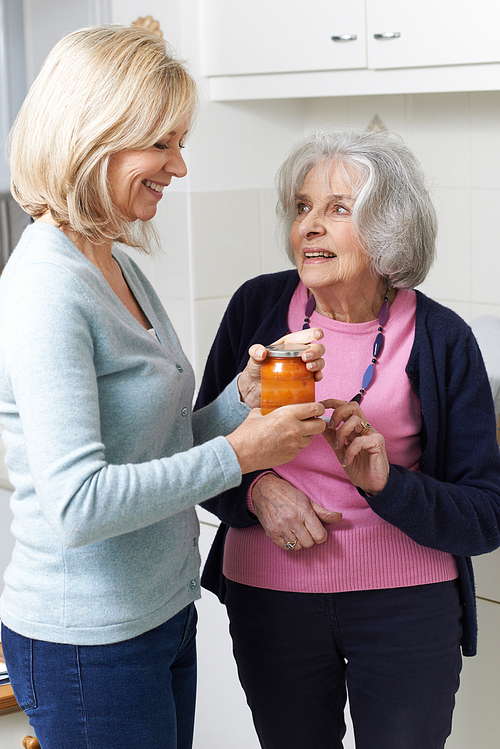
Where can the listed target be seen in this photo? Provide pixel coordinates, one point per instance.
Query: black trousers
(396, 652)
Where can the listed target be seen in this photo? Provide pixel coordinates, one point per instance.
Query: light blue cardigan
(99, 433)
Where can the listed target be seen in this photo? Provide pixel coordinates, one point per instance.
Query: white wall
(456, 138)
(228, 201)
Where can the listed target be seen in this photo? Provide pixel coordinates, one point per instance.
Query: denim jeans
(396, 652)
(136, 694)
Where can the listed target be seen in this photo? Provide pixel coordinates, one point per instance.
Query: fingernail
(336, 445)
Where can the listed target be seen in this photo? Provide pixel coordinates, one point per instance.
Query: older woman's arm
(453, 502)
(286, 513)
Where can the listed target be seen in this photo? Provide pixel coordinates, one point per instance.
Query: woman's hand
(359, 449)
(288, 515)
(267, 441)
(249, 380)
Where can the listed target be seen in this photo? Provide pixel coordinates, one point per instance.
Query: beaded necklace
(383, 316)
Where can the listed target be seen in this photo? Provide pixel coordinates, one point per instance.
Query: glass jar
(285, 378)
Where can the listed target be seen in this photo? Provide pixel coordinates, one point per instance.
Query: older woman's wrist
(248, 390)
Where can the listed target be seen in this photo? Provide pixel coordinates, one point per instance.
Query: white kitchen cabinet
(13, 728)
(276, 36)
(448, 32)
(223, 719)
(476, 720)
(487, 576)
(284, 48)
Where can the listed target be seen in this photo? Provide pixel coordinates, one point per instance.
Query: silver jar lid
(286, 349)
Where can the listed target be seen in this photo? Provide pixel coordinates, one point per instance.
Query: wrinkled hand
(288, 515)
(266, 441)
(249, 380)
(362, 456)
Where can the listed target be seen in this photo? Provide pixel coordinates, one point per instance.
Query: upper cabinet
(403, 34)
(294, 48)
(278, 36)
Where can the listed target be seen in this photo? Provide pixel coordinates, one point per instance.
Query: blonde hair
(101, 90)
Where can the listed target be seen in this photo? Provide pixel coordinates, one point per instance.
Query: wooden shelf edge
(8, 702)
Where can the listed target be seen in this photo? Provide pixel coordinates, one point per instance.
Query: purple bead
(384, 312)
(367, 377)
(311, 304)
(378, 345)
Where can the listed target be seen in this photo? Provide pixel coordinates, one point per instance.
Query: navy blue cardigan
(453, 504)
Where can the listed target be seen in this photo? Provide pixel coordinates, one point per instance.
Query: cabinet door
(277, 36)
(476, 720)
(446, 32)
(487, 575)
(223, 719)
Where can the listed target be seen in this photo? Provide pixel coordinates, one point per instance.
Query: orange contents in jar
(285, 378)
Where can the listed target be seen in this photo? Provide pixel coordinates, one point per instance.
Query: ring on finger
(365, 427)
(290, 544)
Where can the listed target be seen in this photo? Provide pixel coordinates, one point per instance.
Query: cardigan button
(179, 368)
(192, 584)
(184, 411)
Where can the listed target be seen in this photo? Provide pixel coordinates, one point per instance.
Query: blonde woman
(103, 450)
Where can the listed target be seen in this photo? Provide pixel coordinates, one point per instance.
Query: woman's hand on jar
(249, 379)
(262, 442)
(287, 515)
(359, 448)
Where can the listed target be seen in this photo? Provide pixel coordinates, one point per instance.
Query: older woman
(379, 603)
(106, 459)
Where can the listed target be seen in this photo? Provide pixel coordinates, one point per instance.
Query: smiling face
(137, 178)
(326, 248)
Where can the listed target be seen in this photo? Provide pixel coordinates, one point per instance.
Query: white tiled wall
(226, 238)
(456, 137)
(225, 230)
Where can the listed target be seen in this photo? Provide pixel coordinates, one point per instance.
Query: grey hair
(393, 215)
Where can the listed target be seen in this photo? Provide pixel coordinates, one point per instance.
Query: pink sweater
(362, 551)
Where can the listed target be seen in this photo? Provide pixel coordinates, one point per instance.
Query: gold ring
(365, 426)
(290, 545)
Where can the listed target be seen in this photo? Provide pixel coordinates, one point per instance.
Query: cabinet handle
(344, 38)
(388, 35)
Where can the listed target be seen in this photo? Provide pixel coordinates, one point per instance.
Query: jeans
(396, 652)
(135, 694)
